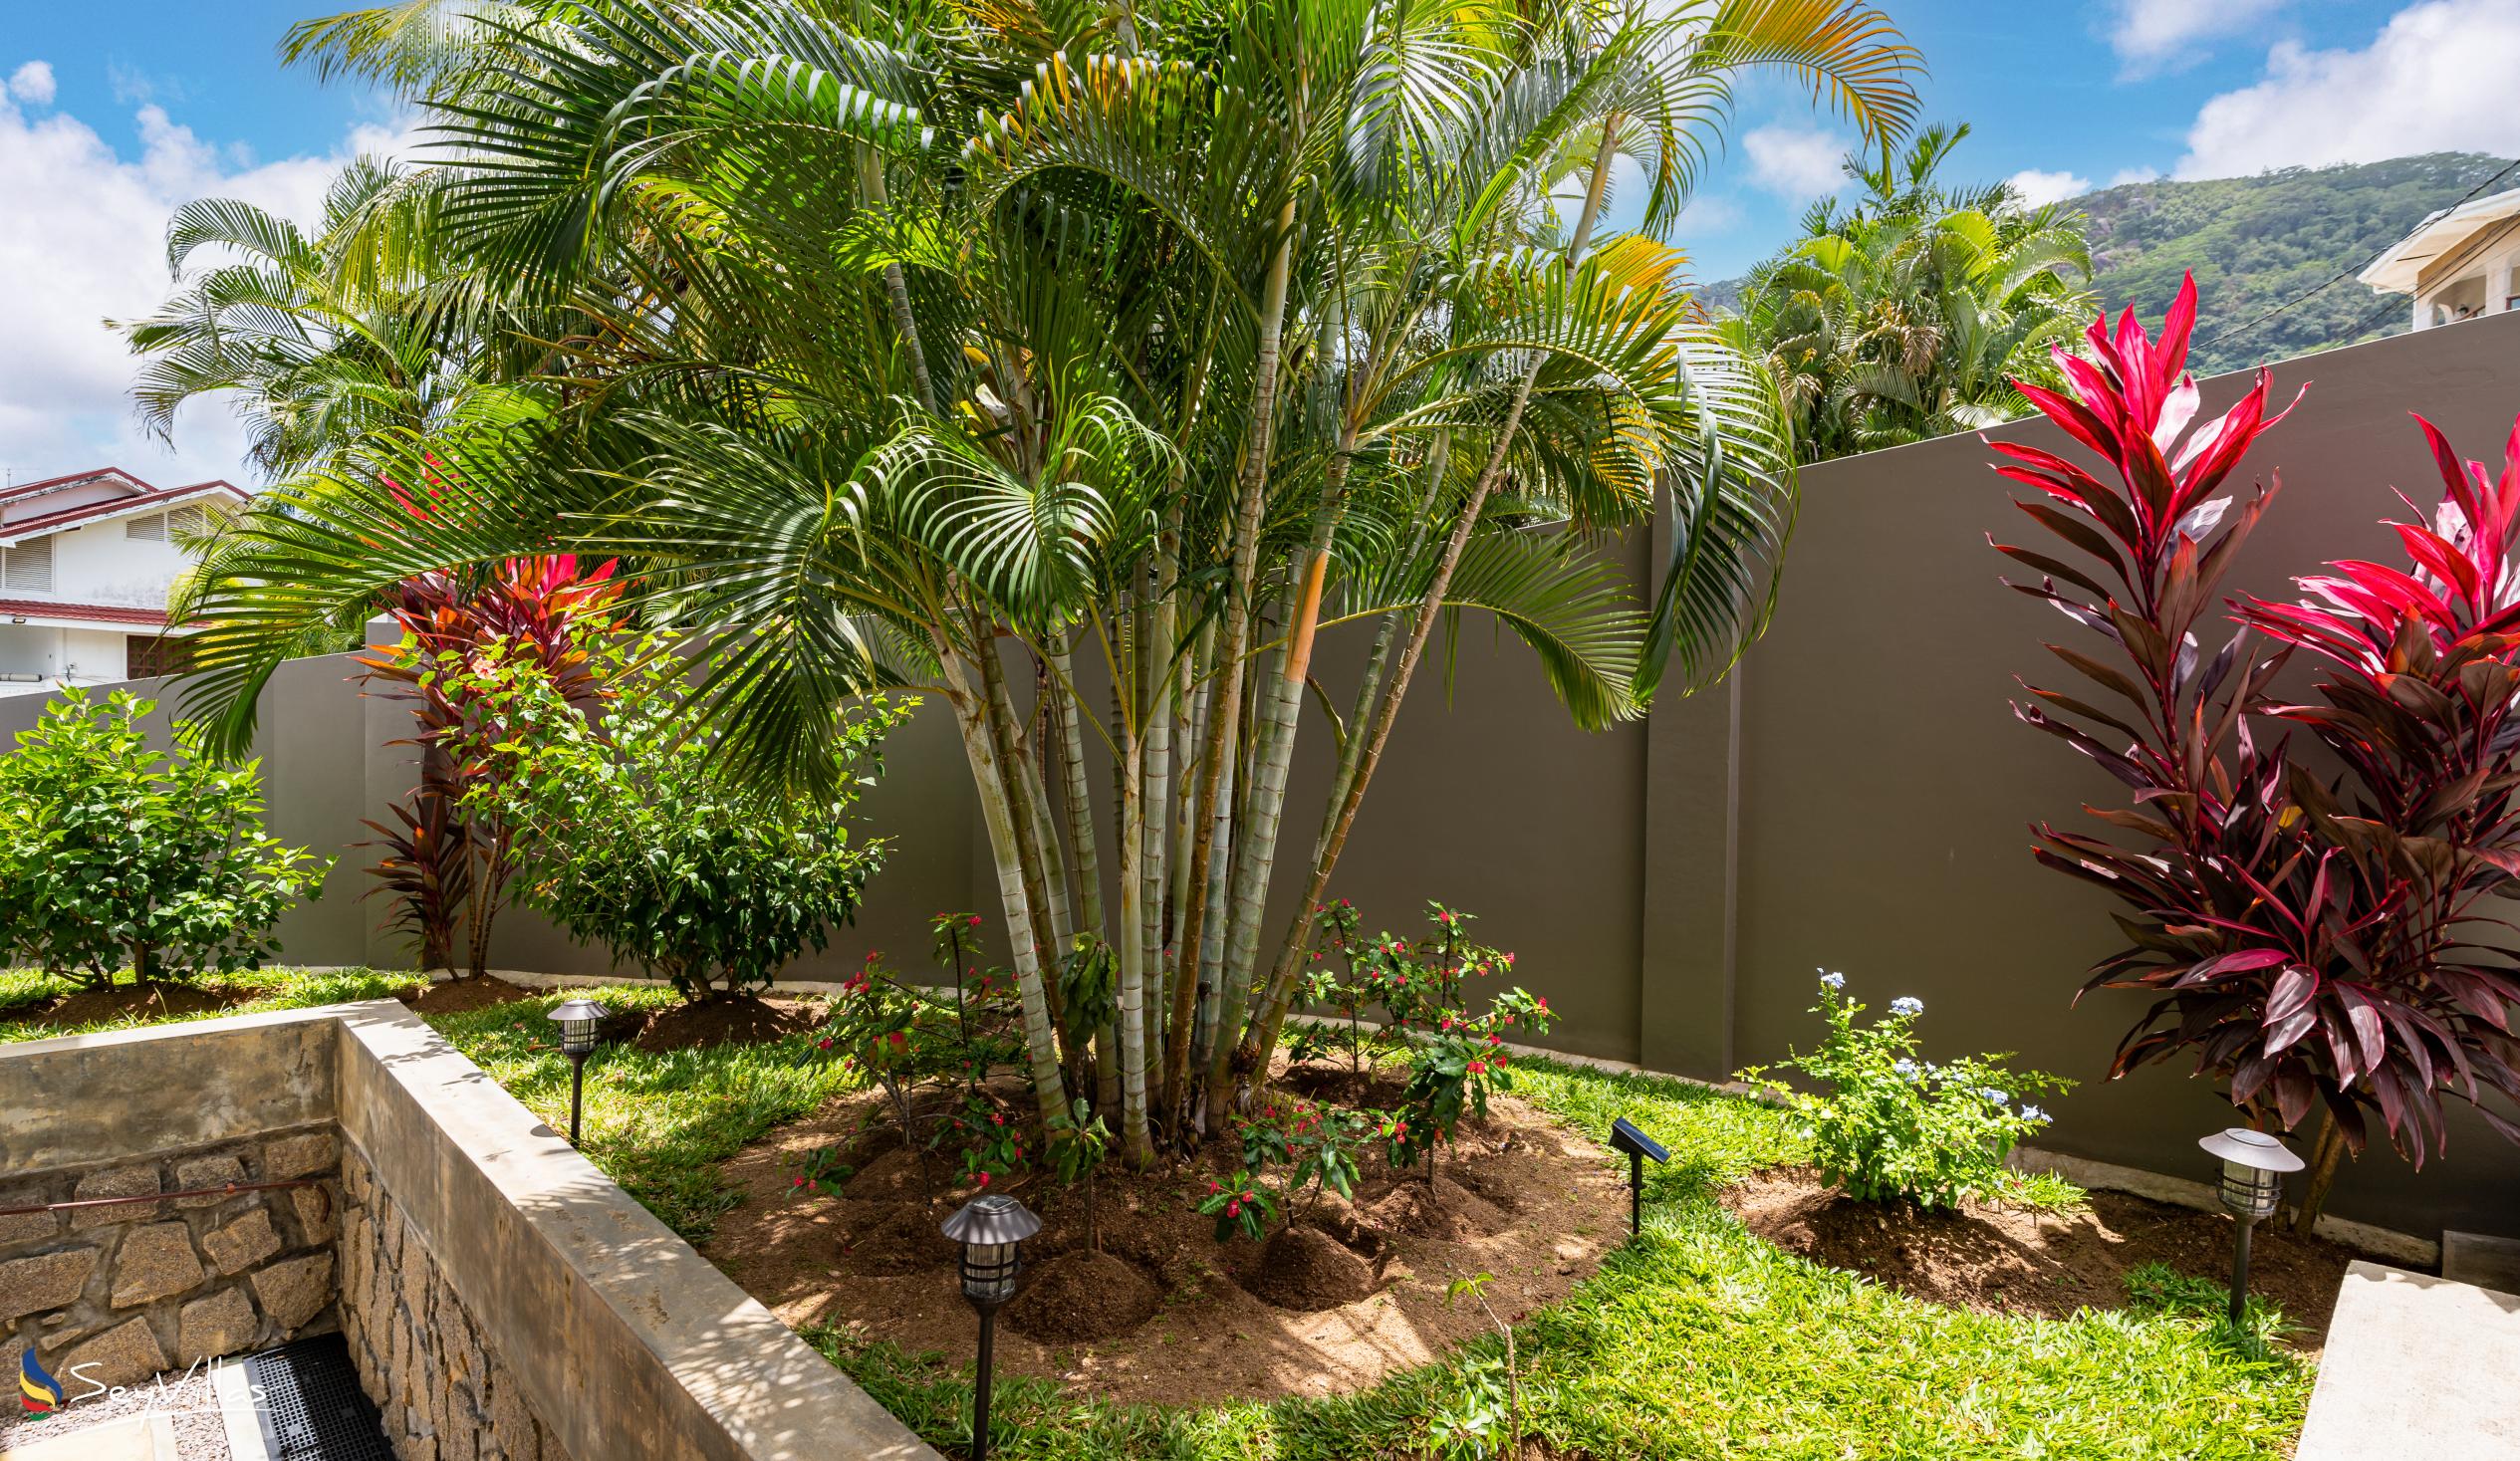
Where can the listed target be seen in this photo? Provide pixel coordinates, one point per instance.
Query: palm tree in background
(1908, 313)
(317, 339)
(1225, 325)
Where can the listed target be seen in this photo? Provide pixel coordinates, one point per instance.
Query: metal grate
(313, 1404)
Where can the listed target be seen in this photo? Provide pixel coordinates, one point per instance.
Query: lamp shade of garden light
(1626, 1138)
(990, 1232)
(2253, 1169)
(577, 1019)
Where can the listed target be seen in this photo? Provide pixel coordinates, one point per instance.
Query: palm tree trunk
(1280, 717)
(997, 812)
(1263, 1035)
(897, 287)
(1237, 615)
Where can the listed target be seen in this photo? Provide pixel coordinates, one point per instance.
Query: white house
(85, 563)
(2458, 264)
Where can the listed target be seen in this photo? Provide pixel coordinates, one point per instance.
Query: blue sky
(111, 113)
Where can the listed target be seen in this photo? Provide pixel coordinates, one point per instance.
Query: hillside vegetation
(2256, 243)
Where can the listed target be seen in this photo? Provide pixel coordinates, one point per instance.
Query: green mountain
(2256, 243)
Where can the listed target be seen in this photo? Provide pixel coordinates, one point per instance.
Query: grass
(1702, 1340)
(1697, 1342)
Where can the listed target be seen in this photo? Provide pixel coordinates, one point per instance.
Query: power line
(2305, 296)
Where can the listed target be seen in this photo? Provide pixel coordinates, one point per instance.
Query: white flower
(2033, 1113)
(1907, 1004)
(1905, 1067)
(1999, 1098)
(1833, 981)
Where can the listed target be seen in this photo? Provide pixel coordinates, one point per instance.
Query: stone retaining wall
(113, 1295)
(422, 1356)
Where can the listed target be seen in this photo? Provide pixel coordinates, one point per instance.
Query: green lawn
(1699, 1341)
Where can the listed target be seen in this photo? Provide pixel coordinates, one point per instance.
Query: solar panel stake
(1625, 1136)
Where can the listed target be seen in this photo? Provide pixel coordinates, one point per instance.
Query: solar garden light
(577, 1021)
(2253, 1168)
(991, 1231)
(1626, 1138)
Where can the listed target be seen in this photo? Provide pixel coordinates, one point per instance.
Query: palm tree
(1224, 325)
(317, 339)
(1909, 313)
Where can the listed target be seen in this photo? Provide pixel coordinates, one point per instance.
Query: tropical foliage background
(1909, 313)
(1077, 365)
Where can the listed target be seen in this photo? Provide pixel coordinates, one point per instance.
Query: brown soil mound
(1083, 1295)
(459, 996)
(1307, 1269)
(1448, 1213)
(154, 999)
(2011, 1261)
(742, 1020)
(894, 1238)
(843, 1261)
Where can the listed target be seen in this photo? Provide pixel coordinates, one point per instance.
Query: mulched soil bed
(2014, 1261)
(153, 1000)
(742, 1020)
(1163, 1312)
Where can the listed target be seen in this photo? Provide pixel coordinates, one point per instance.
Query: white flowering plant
(1887, 1123)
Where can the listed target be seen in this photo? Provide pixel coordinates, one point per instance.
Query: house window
(150, 528)
(28, 567)
(146, 656)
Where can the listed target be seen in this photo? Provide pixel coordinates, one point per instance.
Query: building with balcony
(2457, 264)
(86, 563)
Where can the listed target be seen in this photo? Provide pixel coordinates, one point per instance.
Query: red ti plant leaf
(2265, 904)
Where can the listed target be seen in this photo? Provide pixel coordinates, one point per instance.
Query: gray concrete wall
(1885, 789)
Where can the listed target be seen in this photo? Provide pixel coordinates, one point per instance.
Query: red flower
(1234, 1208)
(823, 1044)
(899, 1039)
(799, 1182)
(975, 920)
(1478, 1067)
(997, 1118)
(984, 1179)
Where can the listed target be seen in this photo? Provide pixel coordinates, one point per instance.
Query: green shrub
(114, 853)
(633, 834)
(1888, 1124)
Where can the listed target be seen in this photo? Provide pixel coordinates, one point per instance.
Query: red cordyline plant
(443, 869)
(2310, 944)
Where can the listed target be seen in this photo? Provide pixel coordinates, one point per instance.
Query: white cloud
(1794, 162)
(2168, 35)
(2437, 78)
(86, 243)
(2125, 175)
(2037, 187)
(33, 83)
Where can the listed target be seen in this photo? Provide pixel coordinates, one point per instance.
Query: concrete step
(2417, 1366)
(2482, 1259)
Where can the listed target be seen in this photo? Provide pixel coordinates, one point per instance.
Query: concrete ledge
(629, 1344)
(2415, 1368)
(84, 1099)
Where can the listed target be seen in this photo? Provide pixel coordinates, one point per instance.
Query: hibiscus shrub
(931, 1048)
(1887, 1123)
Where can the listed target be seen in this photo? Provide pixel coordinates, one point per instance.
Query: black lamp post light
(2253, 1169)
(1626, 1138)
(991, 1231)
(577, 1019)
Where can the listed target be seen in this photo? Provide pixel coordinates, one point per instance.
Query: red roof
(70, 517)
(115, 613)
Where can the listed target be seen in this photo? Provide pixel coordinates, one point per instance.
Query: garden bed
(2003, 1258)
(1335, 1302)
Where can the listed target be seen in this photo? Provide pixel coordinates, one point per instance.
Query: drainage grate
(313, 1404)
